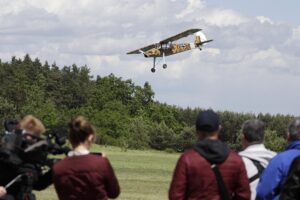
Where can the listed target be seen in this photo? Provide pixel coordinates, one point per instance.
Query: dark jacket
(291, 187)
(88, 177)
(32, 179)
(194, 179)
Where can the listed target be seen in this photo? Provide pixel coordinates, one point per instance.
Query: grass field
(143, 175)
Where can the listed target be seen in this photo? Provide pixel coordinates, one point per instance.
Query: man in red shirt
(196, 174)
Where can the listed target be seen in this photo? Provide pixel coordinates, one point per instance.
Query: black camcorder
(26, 155)
(19, 147)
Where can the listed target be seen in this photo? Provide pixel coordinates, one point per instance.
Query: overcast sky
(252, 65)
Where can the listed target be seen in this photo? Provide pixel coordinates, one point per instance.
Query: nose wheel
(165, 66)
(153, 70)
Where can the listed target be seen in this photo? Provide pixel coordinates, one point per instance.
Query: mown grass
(143, 175)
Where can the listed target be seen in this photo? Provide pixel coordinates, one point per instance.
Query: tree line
(124, 114)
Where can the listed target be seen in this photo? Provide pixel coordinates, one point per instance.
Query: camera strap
(17, 178)
(35, 145)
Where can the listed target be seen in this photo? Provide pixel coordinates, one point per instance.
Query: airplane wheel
(165, 66)
(152, 70)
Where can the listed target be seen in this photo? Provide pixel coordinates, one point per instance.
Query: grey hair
(294, 129)
(254, 131)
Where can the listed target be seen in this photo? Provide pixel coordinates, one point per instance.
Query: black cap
(208, 121)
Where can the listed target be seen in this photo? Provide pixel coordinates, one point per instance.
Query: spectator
(84, 175)
(210, 170)
(276, 172)
(255, 155)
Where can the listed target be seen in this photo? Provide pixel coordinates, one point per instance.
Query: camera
(17, 143)
(24, 157)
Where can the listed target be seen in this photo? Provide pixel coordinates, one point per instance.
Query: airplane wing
(140, 50)
(180, 35)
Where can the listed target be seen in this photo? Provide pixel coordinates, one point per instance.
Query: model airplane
(166, 47)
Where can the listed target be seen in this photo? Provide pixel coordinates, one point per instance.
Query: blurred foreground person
(22, 165)
(275, 174)
(255, 155)
(84, 175)
(210, 170)
(291, 187)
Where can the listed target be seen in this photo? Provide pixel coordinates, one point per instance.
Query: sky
(251, 66)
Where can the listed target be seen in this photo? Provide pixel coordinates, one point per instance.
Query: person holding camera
(20, 172)
(84, 175)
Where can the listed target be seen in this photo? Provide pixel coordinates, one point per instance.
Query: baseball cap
(208, 121)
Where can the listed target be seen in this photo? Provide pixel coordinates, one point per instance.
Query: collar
(255, 147)
(294, 145)
(79, 152)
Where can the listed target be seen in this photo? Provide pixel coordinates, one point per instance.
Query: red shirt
(85, 177)
(194, 179)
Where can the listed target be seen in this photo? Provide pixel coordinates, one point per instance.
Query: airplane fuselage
(170, 50)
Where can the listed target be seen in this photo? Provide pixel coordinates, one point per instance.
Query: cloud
(223, 18)
(264, 19)
(252, 64)
(192, 6)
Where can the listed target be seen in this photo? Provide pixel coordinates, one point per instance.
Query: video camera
(19, 147)
(26, 155)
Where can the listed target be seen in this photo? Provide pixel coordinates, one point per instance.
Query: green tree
(161, 136)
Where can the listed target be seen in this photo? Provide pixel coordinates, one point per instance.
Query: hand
(2, 191)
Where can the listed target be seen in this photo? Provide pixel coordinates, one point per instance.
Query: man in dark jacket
(195, 176)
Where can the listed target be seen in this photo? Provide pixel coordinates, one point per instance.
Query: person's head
(208, 124)
(32, 125)
(81, 132)
(253, 132)
(294, 130)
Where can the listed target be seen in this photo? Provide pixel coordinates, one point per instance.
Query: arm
(178, 185)
(2, 191)
(242, 191)
(112, 184)
(270, 180)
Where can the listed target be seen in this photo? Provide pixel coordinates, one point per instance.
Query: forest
(123, 113)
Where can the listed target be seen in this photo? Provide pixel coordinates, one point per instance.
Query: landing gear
(154, 63)
(164, 61)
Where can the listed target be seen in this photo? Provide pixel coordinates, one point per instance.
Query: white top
(261, 154)
(78, 152)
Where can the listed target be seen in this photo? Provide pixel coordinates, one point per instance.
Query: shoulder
(234, 155)
(79, 160)
(234, 159)
(191, 154)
